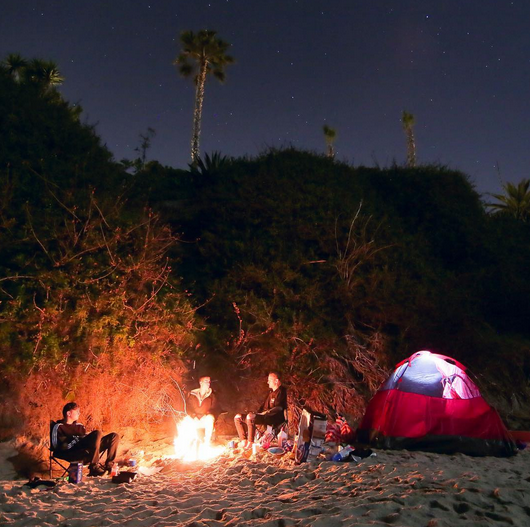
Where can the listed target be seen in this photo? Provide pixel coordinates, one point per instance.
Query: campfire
(190, 445)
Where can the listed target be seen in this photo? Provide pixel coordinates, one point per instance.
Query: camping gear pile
(340, 431)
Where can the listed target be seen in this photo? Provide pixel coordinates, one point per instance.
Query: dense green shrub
(295, 255)
(289, 261)
(88, 297)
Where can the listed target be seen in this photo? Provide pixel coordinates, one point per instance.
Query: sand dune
(394, 488)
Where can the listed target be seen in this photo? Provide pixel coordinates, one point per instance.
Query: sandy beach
(237, 489)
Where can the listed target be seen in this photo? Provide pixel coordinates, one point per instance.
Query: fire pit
(190, 445)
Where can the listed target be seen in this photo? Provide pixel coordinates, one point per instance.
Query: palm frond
(219, 75)
(210, 165)
(15, 63)
(186, 69)
(329, 133)
(407, 119)
(515, 201)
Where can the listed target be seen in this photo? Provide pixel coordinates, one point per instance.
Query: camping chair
(261, 430)
(59, 461)
(63, 459)
(284, 425)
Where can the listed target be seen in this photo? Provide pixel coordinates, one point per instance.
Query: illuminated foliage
(88, 296)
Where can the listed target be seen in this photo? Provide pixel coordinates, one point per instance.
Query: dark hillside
(351, 268)
(114, 285)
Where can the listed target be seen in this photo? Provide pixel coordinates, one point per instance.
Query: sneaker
(95, 470)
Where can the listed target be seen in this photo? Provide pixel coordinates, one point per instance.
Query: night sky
(462, 67)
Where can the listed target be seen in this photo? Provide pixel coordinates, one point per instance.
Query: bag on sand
(124, 477)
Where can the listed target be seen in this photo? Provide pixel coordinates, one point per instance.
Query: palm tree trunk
(197, 114)
(411, 148)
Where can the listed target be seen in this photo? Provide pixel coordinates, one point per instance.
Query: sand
(394, 488)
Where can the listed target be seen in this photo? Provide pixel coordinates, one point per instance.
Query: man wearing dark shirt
(70, 441)
(271, 412)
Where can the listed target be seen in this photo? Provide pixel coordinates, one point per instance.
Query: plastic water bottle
(342, 454)
(115, 470)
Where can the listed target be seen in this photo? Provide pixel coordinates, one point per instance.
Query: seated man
(271, 412)
(201, 407)
(69, 441)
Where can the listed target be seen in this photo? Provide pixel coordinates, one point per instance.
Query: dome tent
(429, 403)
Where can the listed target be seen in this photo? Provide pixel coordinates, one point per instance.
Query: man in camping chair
(69, 441)
(271, 412)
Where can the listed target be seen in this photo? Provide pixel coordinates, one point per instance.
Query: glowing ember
(189, 446)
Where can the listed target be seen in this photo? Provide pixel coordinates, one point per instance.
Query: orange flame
(189, 446)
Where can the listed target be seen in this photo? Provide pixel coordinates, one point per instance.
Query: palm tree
(16, 65)
(515, 201)
(202, 53)
(408, 121)
(329, 135)
(44, 73)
